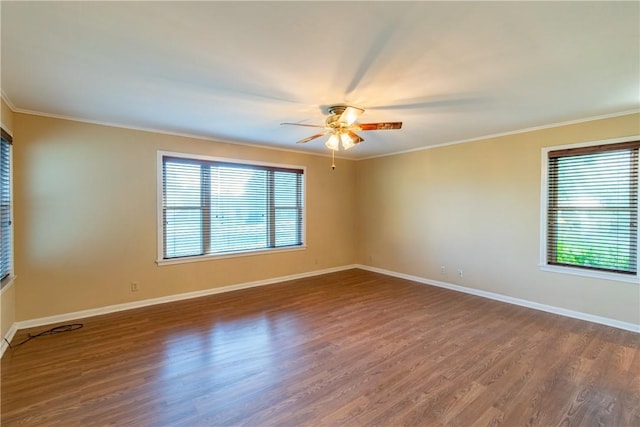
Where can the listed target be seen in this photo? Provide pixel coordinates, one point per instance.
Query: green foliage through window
(593, 207)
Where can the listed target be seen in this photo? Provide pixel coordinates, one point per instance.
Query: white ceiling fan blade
(303, 124)
(350, 115)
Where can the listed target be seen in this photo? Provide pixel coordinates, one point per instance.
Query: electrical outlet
(443, 270)
(460, 273)
(134, 286)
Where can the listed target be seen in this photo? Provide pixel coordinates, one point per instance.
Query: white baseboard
(511, 300)
(10, 333)
(153, 301)
(41, 321)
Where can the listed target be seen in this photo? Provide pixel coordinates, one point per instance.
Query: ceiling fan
(342, 126)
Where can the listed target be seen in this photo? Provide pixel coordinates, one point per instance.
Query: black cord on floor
(55, 330)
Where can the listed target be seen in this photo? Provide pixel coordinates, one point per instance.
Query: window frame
(544, 195)
(8, 280)
(160, 260)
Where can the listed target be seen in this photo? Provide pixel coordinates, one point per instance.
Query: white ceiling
(233, 71)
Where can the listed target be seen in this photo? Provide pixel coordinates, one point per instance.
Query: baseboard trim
(10, 333)
(510, 300)
(41, 321)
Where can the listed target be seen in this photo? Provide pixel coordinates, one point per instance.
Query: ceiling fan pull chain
(333, 159)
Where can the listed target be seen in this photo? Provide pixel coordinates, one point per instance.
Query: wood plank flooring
(353, 348)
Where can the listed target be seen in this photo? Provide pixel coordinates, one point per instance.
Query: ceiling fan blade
(355, 137)
(350, 115)
(379, 126)
(303, 124)
(318, 135)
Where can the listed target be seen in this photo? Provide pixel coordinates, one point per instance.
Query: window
(6, 227)
(213, 207)
(592, 208)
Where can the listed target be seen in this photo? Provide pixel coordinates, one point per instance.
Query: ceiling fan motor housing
(335, 111)
(333, 121)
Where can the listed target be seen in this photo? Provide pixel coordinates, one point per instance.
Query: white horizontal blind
(212, 207)
(592, 218)
(5, 206)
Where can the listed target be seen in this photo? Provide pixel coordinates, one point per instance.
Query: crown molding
(253, 145)
(508, 133)
(165, 132)
(7, 101)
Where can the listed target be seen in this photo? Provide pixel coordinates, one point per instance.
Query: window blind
(592, 218)
(215, 208)
(5, 206)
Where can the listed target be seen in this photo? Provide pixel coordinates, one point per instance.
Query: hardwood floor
(352, 348)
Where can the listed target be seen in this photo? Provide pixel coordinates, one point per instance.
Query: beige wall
(476, 207)
(7, 297)
(7, 309)
(86, 218)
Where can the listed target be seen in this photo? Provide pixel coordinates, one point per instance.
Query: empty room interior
(320, 213)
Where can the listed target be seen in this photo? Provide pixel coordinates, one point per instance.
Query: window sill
(591, 273)
(7, 283)
(184, 260)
